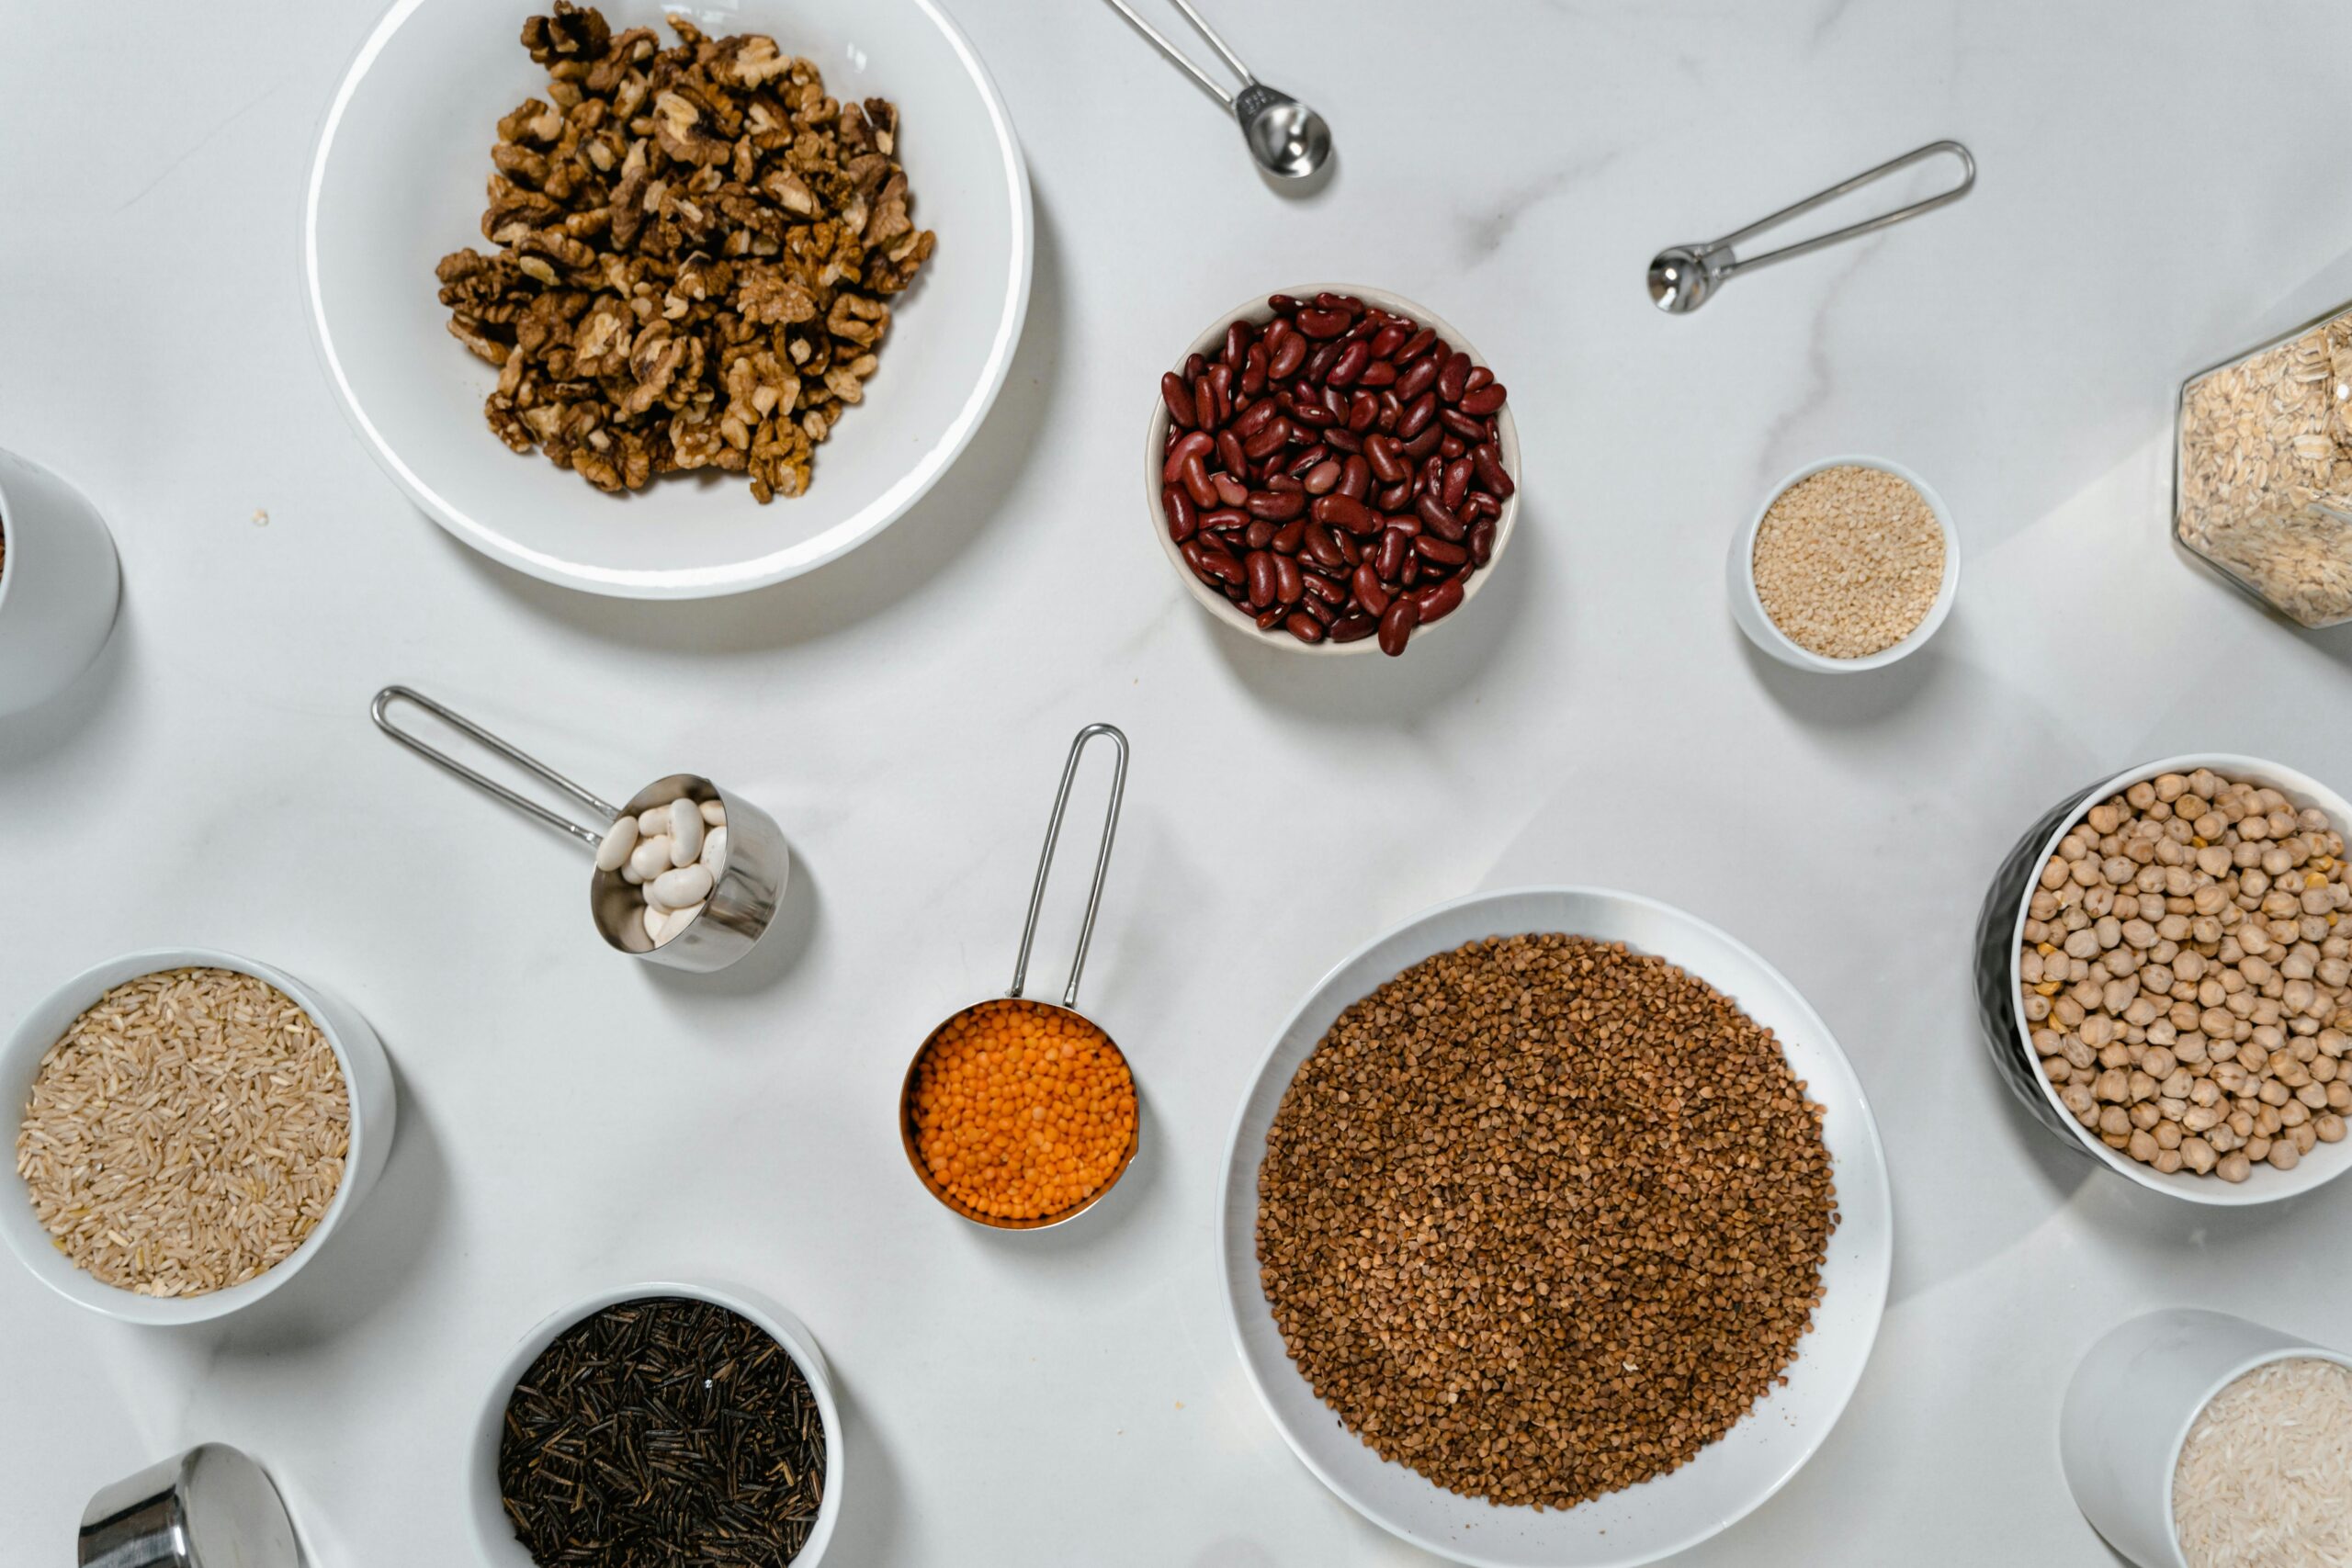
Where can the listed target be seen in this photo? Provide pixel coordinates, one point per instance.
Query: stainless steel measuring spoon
(1019, 977)
(1683, 277)
(743, 897)
(1289, 140)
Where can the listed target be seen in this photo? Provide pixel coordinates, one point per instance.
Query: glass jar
(2262, 478)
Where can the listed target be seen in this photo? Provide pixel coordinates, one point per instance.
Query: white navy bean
(634, 877)
(714, 814)
(650, 858)
(653, 821)
(714, 852)
(655, 923)
(619, 840)
(686, 832)
(678, 920)
(686, 885)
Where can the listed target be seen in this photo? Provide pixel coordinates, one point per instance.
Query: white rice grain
(2265, 1479)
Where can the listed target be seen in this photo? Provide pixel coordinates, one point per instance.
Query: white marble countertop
(2158, 191)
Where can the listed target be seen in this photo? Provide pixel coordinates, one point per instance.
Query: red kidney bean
(1450, 446)
(1325, 548)
(1417, 416)
(1253, 370)
(1289, 354)
(1223, 520)
(1416, 379)
(1310, 412)
(1403, 522)
(1347, 303)
(1397, 624)
(1393, 498)
(1272, 616)
(1420, 343)
(1355, 477)
(1257, 418)
(1213, 561)
(1350, 547)
(1451, 379)
(1343, 511)
(1429, 476)
(1261, 568)
(1195, 365)
(1269, 441)
(1363, 410)
(1421, 445)
(1438, 602)
(1196, 480)
(1258, 534)
(1304, 463)
(1288, 538)
(1439, 519)
(1428, 547)
(1491, 477)
(1204, 404)
(1183, 517)
(1482, 544)
(1391, 411)
(1237, 342)
(1380, 451)
(1343, 440)
(1285, 484)
(1322, 610)
(1304, 626)
(1221, 387)
(1318, 322)
(1349, 365)
(1368, 590)
(1395, 549)
(1229, 452)
(1458, 474)
(1354, 628)
(1230, 492)
(1462, 424)
(1178, 396)
(1389, 339)
(1479, 376)
(1192, 444)
(1276, 506)
(1288, 584)
(1484, 400)
(1379, 373)
(1281, 304)
(1321, 587)
(1319, 479)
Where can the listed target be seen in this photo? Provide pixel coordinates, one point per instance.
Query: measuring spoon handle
(1102, 860)
(605, 813)
(1854, 231)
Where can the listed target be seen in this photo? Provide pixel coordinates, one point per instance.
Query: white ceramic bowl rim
(2252, 1363)
(2268, 1184)
(1946, 591)
(1156, 435)
(1868, 1152)
(769, 1318)
(485, 534)
(53, 1268)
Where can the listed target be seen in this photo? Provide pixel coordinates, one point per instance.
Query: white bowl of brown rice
(190, 1127)
(1851, 564)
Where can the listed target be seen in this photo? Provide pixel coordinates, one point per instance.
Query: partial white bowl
(1210, 342)
(1748, 609)
(58, 584)
(366, 1077)
(2129, 1409)
(2268, 1183)
(1731, 1476)
(494, 1532)
(397, 183)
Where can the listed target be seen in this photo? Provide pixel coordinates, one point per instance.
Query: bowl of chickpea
(2164, 975)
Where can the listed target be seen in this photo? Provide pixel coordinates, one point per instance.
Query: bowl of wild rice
(1555, 1230)
(656, 1423)
(191, 1126)
(1851, 564)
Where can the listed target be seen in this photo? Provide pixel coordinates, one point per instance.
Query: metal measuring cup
(1020, 977)
(209, 1508)
(742, 900)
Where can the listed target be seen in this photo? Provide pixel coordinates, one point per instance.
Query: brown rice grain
(186, 1133)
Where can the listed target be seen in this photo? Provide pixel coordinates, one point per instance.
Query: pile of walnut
(696, 246)
(2188, 976)
(1541, 1218)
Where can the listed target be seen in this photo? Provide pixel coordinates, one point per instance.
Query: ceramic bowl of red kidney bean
(1333, 468)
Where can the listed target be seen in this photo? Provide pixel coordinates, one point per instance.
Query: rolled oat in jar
(2262, 488)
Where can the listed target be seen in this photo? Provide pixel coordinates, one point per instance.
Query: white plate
(1640, 1524)
(397, 183)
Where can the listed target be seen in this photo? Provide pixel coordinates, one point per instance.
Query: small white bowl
(2129, 1409)
(494, 1532)
(58, 584)
(396, 183)
(2268, 1183)
(366, 1078)
(1209, 344)
(1730, 1476)
(1748, 609)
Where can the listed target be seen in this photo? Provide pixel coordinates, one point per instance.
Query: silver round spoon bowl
(1289, 140)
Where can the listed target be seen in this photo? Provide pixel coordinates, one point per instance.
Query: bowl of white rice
(190, 1128)
(2197, 1440)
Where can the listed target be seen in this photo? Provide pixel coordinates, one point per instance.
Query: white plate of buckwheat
(1722, 1481)
(723, 321)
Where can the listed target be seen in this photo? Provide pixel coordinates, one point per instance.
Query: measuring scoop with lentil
(2188, 978)
(1541, 1217)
